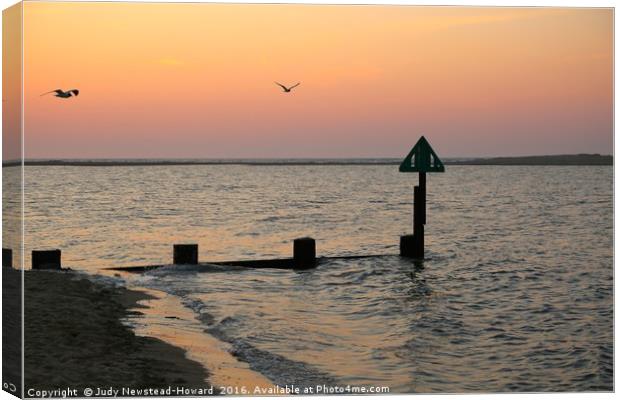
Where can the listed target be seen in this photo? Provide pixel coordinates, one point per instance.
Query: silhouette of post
(185, 254)
(7, 258)
(407, 244)
(421, 159)
(46, 259)
(419, 217)
(304, 253)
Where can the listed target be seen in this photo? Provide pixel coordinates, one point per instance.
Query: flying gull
(287, 89)
(62, 94)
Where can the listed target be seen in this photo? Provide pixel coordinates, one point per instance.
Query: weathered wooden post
(185, 254)
(7, 258)
(304, 253)
(46, 259)
(421, 159)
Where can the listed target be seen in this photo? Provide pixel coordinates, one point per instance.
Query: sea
(515, 292)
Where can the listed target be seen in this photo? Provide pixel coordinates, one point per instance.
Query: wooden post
(407, 244)
(304, 253)
(7, 258)
(185, 254)
(46, 259)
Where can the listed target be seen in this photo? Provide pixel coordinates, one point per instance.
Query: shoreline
(165, 318)
(75, 338)
(531, 160)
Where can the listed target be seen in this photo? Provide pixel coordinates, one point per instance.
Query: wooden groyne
(304, 257)
(275, 263)
(7, 258)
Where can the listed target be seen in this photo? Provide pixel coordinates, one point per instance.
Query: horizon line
(549, 159)
(38, 159)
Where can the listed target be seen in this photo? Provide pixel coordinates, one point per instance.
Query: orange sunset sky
(196, 80)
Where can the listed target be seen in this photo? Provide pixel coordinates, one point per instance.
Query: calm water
(517, 293)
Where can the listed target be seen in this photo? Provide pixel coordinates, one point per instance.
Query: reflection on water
(516, 293)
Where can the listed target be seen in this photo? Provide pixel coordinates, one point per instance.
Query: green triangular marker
(421, 158)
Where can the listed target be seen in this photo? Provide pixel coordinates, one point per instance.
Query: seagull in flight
(62, 94)
(287, 89)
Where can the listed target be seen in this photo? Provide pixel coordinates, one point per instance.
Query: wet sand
(74, 338)
(180, 327)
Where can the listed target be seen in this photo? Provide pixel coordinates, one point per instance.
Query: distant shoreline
(566, 159)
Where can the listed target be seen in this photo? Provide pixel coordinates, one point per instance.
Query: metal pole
(419, 216)
(423, 198)
(415, 206)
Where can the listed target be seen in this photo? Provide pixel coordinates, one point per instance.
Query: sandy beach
(75, 339)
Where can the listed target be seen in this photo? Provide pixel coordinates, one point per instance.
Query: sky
(197, 80)
(11, 83)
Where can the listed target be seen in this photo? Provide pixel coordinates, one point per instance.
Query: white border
(554, 3)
